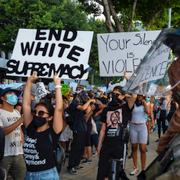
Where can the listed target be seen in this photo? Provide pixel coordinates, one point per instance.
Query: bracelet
(58, 86)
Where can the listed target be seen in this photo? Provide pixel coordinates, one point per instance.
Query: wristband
(58, 86)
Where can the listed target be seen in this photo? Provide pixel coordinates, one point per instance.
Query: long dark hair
(48, 106)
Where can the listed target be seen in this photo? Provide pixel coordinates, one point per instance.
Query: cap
(4, 91)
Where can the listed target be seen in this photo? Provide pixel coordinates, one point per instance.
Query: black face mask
(115, 101)
(39, 121)
(138, 103)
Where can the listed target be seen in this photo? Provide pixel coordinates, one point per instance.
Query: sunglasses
(39, 113)
(117, 94)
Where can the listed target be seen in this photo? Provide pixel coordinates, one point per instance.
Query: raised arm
(58, 113)
(27, 116)
(131, 100)
(86, 105)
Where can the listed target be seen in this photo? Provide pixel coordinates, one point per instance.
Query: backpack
(2, 143)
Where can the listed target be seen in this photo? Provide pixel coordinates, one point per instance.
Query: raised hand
(56, 79)
(33, 77)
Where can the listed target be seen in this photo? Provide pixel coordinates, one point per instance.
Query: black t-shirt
(116, 119)
(79, 122)
(38, 149)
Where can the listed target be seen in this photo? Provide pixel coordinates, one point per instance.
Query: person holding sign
(40, 123)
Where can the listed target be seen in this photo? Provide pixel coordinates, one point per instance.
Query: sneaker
(3, 174)
(134, 172)
(78, 167)
(123, 175)
(72, 171)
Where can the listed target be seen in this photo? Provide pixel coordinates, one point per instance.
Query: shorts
(138, 133)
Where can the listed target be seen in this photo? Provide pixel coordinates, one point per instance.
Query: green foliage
(56, 14)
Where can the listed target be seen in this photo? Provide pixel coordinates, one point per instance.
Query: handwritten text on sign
(47, 51)
(122, 52)
(154, 67)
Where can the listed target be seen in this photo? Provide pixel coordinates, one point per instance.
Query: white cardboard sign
(123, 51)
(48, 51)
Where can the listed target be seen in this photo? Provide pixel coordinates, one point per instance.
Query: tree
(17, 14)
(120, 14)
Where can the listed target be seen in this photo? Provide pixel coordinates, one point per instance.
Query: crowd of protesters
(84, 122)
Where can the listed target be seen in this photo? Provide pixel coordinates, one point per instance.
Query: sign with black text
(150, 78)
(47, 51)
(123, 51)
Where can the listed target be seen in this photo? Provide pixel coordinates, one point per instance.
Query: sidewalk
(89, 170)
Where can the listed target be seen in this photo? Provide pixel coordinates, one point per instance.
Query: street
(89, 170)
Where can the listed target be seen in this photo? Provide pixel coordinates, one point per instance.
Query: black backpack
(2, 143)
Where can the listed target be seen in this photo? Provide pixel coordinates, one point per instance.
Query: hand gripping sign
(47, 51)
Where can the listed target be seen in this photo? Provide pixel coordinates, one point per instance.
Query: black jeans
(108, 152)
(77, 149)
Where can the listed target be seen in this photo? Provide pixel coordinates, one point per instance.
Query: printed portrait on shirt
(114, 118)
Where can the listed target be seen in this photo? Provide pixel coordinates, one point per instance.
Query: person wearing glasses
(111, 144)
(40, 123)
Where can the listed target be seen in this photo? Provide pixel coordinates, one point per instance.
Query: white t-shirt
(13, 143)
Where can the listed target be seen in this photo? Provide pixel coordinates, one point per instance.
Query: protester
(10, 122)
(161, 118)
(66, 135)
(173, 41)
(41, 123)
(138, 132)
(111, 142)
(78, 109)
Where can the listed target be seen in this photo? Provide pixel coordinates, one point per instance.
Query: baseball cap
(4, 91)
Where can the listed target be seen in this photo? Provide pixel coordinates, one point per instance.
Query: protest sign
(40, 90)
(47, 51)
(150, 78)
(122, 52)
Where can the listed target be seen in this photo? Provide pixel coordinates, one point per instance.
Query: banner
(151, 77)
(47, 51)
(122, 52)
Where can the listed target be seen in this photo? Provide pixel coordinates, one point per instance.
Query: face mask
(12, 99)
(138, 103)
(39, 121)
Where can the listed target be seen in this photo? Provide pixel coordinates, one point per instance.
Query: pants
(50, 174)
(77, 149)
(161, 122)
(15, 166)
(108, 152)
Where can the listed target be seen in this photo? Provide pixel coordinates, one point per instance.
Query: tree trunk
(115, 17)
(107, 14)
(132, 17)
